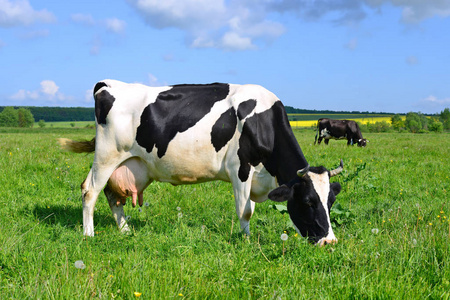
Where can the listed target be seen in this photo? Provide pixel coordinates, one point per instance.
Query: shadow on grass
(69, 217)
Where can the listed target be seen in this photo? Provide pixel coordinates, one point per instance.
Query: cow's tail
(77, 146)
(317, 133)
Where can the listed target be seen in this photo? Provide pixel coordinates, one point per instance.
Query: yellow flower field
(366, 120)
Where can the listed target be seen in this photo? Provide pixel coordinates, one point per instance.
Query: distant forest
(60, 114)
(65, 114)
(292, 110)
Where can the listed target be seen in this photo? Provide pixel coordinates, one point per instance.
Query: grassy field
(77, 124)
(392, 225)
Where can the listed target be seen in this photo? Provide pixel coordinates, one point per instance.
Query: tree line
(413, 122)
(26, 116)
(59, 114)
(292, 110)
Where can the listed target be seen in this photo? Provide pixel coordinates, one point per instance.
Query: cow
(192, 133)
(339, 129)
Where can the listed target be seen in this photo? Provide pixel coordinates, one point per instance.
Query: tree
(397, 122)
(444, 117)
(435, 126)
(9, 117)
(41, 123)
(26, 118)
(416, 122)
(21, 117)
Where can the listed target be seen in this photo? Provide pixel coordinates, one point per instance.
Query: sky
(353, 55)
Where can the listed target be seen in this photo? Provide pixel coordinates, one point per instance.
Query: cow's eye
(308, 201)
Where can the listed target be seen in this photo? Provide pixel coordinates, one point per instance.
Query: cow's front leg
(117, 210)
(244, 206)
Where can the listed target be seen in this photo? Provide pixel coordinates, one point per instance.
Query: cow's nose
(324, 242)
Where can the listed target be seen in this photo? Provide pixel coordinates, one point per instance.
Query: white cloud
(434, 100)
(115, 25)
(231, 25)
(49, 87)
(415, 11)
(110, 25)
(23, 95)
(189, 14)
(48, 92)
(233, 41)
(432, 104)
(245, 24)
(20, 12)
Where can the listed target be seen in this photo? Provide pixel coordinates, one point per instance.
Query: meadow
(391, 219)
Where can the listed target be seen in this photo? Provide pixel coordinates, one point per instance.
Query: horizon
(312, 111)
(377, 56)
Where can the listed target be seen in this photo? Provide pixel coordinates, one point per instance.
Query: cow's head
(309, 199)
(362, 142)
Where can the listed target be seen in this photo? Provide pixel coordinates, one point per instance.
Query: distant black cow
(339, 129)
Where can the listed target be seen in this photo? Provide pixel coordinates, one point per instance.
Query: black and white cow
(186, 134)
(339, 129)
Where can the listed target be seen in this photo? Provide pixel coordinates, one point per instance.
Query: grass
(394, 243)
(68, 124)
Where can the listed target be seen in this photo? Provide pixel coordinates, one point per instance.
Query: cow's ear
(336, 188)
(280, 194)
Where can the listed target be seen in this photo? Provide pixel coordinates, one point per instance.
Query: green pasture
(74, 124)
(391, 219)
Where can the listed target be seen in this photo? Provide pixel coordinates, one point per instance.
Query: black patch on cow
(245, 108)
(103, 104)
(176, 110)
(267, 138)
(98, 86)
(224, 129)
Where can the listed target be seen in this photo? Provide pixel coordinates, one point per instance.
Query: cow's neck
(287, 157)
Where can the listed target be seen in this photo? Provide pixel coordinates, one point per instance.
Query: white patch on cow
(321, 183)
(324, 133)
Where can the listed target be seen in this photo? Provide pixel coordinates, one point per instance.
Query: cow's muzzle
(324, 241)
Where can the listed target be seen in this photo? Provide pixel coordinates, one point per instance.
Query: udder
(130, 179)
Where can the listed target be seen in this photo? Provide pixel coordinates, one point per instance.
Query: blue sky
(363, 55)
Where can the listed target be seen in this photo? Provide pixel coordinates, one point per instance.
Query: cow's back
(185, 133)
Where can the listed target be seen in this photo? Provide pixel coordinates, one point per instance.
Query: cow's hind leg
(115, 203)
(90, 189)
